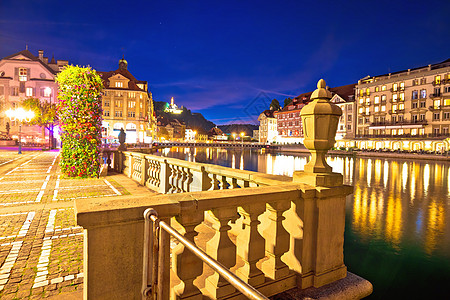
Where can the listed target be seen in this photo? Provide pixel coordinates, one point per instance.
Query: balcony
(397, 123)
(403, 136)
(398, 111)
(435, 95)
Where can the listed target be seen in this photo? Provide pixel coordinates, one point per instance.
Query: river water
(397, 232)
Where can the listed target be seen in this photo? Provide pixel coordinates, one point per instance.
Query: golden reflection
(404, 175)
(448, 181)
(357, 207)
(373, 211)
(426, 178)
(377, 170)
(269, 163)
(369, 171)
(393, 174)
(393, 219)
(362, 163)
(438, 174)
(385, 173)
(241, 164)
(436, 224)
(233, 161)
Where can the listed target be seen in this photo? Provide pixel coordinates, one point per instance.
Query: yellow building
(404, 109)
(127, 103)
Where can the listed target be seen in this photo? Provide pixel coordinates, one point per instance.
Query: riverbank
(414, 156)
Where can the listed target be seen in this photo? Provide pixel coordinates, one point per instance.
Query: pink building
(24, 75)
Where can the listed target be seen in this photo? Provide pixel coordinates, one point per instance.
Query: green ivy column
(80, 115)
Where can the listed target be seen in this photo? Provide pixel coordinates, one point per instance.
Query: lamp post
(20, 115)
(234, 137)
(242, 138)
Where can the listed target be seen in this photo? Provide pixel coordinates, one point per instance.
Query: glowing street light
(242, 138)
(20, 115)
(234, 136)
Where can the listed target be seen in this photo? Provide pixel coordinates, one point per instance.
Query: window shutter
(12, 91)
(33, 92)
(16, 73)
(42, 92)
(22, 87)
(28, 73)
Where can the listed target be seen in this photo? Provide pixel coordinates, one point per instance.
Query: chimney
(41, 55)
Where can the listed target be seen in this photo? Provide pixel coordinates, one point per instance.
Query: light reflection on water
(394, 201)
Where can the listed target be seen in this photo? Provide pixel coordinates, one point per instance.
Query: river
(397, 232)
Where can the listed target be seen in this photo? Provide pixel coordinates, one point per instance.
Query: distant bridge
(221, 145)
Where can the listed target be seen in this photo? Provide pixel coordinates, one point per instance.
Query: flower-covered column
(80, 115)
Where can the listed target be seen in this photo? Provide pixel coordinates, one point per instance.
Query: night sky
(228, 59)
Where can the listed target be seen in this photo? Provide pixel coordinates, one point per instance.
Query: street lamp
(242, 138)
(234, 137)
(20, 115)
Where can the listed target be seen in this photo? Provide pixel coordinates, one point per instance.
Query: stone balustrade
(274, 232)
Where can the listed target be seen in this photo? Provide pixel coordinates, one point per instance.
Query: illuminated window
(383, 98)
(367, 110)
(131, 104)
(377, 89)
(415, 95)
(106, 113)
(361, 110)
(131, 94)
(402, 96)
(361, 100)
(119, 84)
(437, 79)
(140, 85)
(437, 104)
(383, 108)
(376, 99)
(415, 82)
(394, 131)
(423, 80)
(131, 114)
(377, 108)
(383, 87)
(400, 131)
(422, 131)
(368, 101)
(47, 92)
(447, 102)
(402, 86)
(29, 92)
(22, 74)
(118, 103)
(118, 114)
(394, 98)
(119, 94)
(401, 106)
(395, 87)
(361, 92)
(349, 118)
(413, 131)
(367, 91)
(394, 108)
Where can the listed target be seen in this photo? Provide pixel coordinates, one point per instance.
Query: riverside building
(127, 103)
(290, 127)
(405, 110)
(24, 75)
(267, 132)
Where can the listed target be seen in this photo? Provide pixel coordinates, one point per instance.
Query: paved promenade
(41, 248)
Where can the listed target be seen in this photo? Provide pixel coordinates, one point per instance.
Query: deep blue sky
(227, 59)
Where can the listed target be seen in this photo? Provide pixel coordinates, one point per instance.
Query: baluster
(185, 265)
(144, 169)
(226, 183)
(215, 184)
(183, 180)
(277, 240)
(164, 177)
(172, 179)
(221, 248)
(250, 244)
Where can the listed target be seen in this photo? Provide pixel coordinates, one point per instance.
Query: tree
(287, 101)
(44, 115)
(275, 105)
(80, 116)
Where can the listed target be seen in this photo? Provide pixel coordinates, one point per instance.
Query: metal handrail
(151, 215)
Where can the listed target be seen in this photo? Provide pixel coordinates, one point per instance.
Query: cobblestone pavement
(41, 247)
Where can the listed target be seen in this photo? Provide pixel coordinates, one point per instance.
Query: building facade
(23, 75)
(343, 96)
(290, 127)
(127, 103)
(268, 129)
(411, 105)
